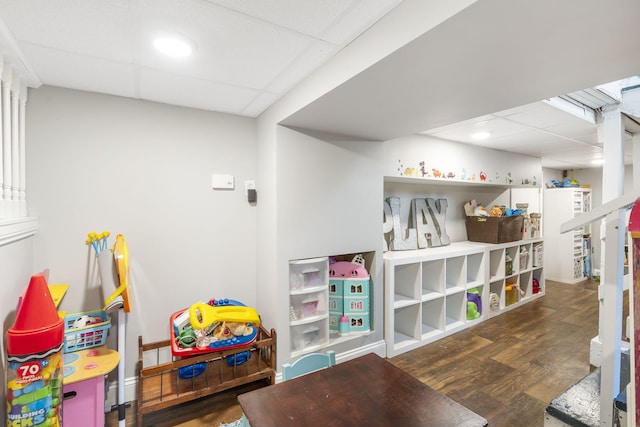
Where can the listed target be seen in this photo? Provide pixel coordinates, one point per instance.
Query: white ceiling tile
(541, 115)
(452, 126)
(563, 164)
(231, 48)
(516, 110)
(95, 28)
(573, 129)
(195, 93)
(584, 159)
(306, 17)
(533, 146)
(591, 139)
(80, 72)
(569, 148)
(496, 126)
(362, 15)
(312, 58)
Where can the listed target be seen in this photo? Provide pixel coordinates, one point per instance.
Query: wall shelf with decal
(424, 158)
(452, 182)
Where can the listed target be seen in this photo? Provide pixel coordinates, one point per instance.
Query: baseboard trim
(130, 393)
(131, 384)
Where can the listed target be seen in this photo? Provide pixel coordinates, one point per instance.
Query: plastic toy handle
(203, 315)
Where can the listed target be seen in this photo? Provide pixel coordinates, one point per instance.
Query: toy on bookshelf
(474, 304)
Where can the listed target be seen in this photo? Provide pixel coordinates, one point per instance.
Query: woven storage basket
(494, 229)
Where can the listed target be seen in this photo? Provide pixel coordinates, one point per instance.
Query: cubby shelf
(426, 289)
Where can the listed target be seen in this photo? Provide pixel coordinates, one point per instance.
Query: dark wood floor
(506, 369)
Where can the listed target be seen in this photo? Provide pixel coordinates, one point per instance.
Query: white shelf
(426, 289)
(451, 182)
(565, 253)
(402, 301)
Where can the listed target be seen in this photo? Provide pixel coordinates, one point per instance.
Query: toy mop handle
(203, 315)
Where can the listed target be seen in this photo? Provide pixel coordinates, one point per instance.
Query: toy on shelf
(349, 289)
(474, 304)
(214, 326)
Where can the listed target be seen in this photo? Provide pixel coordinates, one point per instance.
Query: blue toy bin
(93, 335)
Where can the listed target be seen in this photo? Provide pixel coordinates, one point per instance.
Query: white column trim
(22, 186)
(6, 138)
(15, 146)
(2, 201)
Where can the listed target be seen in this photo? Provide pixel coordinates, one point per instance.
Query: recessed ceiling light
(480, 136)
(174, 46)
(597, 161)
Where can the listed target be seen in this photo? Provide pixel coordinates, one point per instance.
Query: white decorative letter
(399, 242)
(421, 219)
(438, 210)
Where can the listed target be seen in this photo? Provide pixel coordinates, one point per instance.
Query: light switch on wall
(249, 185)
(222, 182)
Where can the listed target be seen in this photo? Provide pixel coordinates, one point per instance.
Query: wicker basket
(494, 229)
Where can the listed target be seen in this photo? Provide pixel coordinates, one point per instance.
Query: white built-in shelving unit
(426, 289)
(566, 254)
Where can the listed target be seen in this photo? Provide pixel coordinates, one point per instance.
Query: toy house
(349, 290)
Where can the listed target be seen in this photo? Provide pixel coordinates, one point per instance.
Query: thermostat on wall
(222, 182)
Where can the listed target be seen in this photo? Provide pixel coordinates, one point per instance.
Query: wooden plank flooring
(507, 369)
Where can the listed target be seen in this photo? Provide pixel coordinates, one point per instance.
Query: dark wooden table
(367, 391)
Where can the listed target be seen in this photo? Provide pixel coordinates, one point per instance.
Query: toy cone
(37, 327)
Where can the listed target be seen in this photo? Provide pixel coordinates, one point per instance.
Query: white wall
(328, 203)
(144, 170)
(399, 27)
(16, 265)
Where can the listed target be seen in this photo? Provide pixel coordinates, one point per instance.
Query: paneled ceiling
(249, 53)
